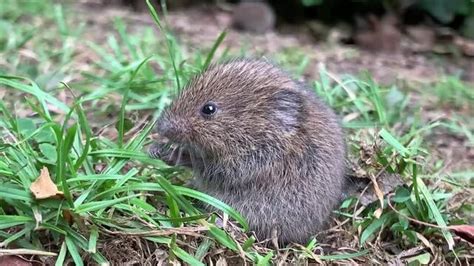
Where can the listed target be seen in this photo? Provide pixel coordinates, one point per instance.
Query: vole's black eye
(209, 109)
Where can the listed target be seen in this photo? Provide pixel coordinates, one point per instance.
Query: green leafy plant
(446, 10)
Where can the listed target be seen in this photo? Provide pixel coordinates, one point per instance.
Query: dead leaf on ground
(425, 241)
(378, 212)
(379, 195)
(68, 216)
(43, 187)
(464, 231)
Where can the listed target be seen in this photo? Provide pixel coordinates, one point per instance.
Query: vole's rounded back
(261, 142)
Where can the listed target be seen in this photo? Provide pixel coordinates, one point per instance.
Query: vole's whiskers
(180, 154)
(193, 158)
(174, 154)
(204, 160)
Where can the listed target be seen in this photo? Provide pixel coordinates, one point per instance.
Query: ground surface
(199, 27)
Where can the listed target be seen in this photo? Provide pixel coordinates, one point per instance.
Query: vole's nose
(168, 128)
(164, 127)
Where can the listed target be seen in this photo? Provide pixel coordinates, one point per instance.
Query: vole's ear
(287, 109)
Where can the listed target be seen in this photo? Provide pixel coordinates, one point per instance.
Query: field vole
(262, 143)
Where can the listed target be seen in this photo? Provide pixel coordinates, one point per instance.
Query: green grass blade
(170, 43)
(7, 221)
(62, 255)
(99, 205)
(345, 256)
(222, 237)
(174, 210)
(390, 139)
(171, 191)
(373, 227)
(436, 212)
(216, 44)
(214, 202)
(84, 125)
(121, 120)
(266, 260)
(33, 89)
(93, 239)
(73, 251)
(186, 257)
(9, 192)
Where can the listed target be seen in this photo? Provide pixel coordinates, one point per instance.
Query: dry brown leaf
(425, 242)
(378, 213)
(379, 194)
(221, 261)
(68, 216)
(464, 231)
(43, 187)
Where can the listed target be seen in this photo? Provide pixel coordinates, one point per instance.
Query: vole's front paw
(170, 154)
(162, 151)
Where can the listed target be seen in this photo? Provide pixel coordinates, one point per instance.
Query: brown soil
(198, 28)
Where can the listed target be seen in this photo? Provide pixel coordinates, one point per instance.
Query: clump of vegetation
(77, 186)
(457, 14)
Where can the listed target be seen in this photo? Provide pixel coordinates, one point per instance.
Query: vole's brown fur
(273, 150)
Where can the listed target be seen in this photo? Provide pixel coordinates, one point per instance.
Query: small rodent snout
(163, 126)
(169, 129)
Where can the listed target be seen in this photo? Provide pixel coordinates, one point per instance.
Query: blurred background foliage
(457, 14)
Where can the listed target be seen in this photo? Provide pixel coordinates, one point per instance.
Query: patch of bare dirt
(457, 152)
(199, 27)
(125, 250)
